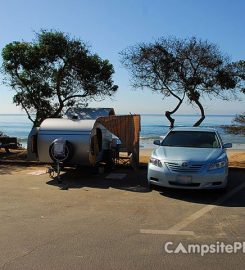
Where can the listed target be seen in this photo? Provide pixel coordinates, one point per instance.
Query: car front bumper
(204, 179)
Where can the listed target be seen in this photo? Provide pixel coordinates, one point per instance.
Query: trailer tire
(69, 152)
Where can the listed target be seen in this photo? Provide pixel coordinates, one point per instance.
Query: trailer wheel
(69, 152)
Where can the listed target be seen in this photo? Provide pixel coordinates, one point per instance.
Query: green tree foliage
(182, 68)
(238, 125)
(54, 72)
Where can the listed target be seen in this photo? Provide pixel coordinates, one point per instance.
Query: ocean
(152, 126)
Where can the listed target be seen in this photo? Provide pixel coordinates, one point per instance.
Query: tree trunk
(202, 113)
(170, 119)
(168, 113)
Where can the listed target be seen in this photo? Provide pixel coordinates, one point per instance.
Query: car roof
(200, 129)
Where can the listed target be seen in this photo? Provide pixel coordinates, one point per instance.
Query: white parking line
(169, 232)
(176, 229)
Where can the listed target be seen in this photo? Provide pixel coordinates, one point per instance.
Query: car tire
(224, 189)
(150, 186)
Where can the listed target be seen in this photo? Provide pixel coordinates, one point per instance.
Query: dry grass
(237, 160)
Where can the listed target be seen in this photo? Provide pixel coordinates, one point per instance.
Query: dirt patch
(237, 160)
(19, 154)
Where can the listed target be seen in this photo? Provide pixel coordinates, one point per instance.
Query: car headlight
(156, 162)
(218, 165)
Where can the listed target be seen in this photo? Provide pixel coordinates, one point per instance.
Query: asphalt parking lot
(100, 222)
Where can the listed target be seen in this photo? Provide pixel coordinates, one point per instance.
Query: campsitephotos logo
(203, 249)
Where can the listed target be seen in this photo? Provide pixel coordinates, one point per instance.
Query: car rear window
(197, 139)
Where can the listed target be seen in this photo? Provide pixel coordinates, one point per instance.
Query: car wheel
(150, 186)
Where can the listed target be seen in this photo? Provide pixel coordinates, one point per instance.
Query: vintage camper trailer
(88, 135)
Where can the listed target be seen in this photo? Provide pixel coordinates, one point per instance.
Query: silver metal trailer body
(77, 133)
(86, 136)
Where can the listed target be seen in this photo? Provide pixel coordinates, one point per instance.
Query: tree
(54, 72)
(238, 123)
(238, 126)
(181, 68)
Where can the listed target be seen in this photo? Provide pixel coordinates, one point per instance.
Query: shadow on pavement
(137, 182)
(236, 178)
(85, 177)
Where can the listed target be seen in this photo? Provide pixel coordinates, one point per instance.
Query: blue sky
(110, 26)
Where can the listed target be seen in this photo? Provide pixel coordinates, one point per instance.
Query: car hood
(185, 153)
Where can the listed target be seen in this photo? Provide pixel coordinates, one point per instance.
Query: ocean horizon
(152, 126)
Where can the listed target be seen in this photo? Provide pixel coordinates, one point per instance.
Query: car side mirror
(157, 142)
(227, 145)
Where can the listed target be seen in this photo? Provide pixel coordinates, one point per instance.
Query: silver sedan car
(190, 158)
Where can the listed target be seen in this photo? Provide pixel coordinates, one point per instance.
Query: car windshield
(197, 139)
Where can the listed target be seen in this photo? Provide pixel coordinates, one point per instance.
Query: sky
(110, 26)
